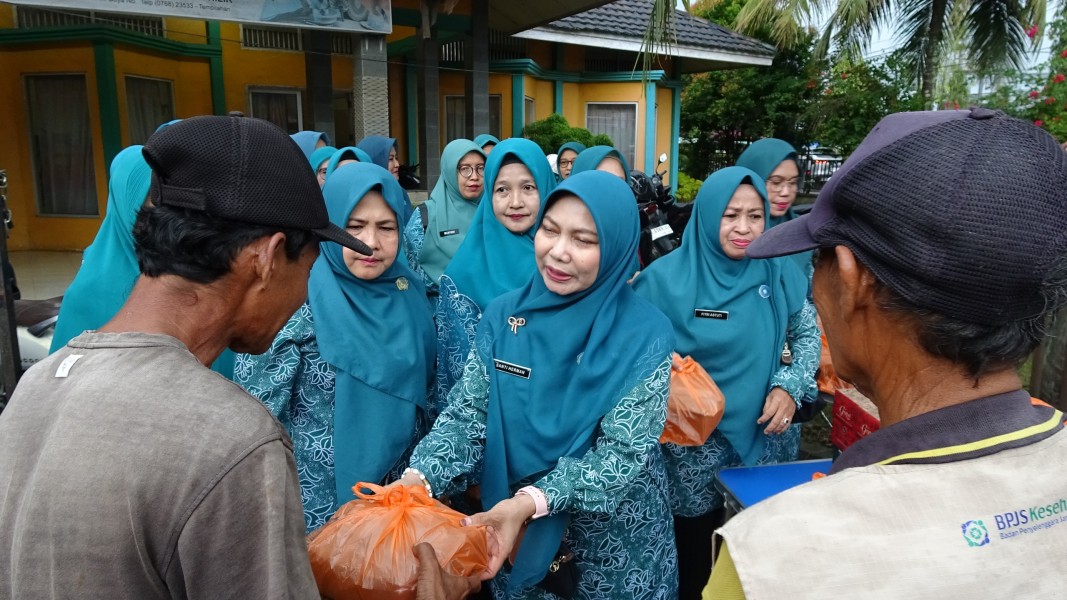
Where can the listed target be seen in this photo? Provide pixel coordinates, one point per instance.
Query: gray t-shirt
(136, 472)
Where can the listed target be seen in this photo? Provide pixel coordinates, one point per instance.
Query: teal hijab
(583, 352)
(109, 265)
(492, 260)
(448, 213)
(321, 155)
(378, 335)
(348, 152)
(590, 158)
(378, 147)
(763, 157)
(486, 139)
(742, 351)
(307, 140)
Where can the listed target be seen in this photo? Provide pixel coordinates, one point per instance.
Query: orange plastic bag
(827, 379)
(365, 551)
(695, 405)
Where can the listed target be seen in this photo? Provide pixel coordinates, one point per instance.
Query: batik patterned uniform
(620, 530)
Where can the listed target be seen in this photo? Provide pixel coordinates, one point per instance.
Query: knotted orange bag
(365, 550)
(695, 405)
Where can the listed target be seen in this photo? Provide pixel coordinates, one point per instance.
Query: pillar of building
(429, 97)
(370, 89)
(476, 58)
(319, 84)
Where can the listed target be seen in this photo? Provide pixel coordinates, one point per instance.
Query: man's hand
(434, 583)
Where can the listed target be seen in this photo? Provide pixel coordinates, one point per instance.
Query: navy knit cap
(240, 169)
(960, 212)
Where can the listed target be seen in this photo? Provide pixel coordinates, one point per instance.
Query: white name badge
(511, 368)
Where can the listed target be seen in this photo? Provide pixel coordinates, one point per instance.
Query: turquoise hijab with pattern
(377, 334)
(582, 352)
(590, 158)
(109, 265)
(448, 213)
(493, 260)
(729, 315)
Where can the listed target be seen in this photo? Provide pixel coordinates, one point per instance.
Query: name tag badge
(447, 232)
(511, 369)
(703, 313)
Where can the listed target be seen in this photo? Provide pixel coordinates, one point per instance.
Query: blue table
(744, 486)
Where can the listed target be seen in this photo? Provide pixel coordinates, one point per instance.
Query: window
(273, 38)
(456, 117)
(617, 121)
(31, 18)
(61, 143)
(531, 114)
(149, 104)
(281, 107)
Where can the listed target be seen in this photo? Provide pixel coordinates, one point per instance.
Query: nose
(743, 225)
(369, 237)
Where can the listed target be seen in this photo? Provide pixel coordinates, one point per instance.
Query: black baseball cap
(240, 169)
(960, 212)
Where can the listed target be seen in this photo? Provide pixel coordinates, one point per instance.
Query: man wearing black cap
(129, 469)
(941, 255)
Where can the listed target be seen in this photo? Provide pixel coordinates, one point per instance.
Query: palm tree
(996, 33)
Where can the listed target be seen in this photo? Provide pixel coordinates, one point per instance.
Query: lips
(370, 262)
(556, 275)
(741, 243)
(517, 216)
(781, 205)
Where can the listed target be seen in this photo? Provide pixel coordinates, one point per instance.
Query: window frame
(299, 93)
(637, 120)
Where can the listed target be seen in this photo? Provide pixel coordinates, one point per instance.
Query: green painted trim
(107, 94)
(410, 17)
(411, 101)
(218, 81)
(650, 127)
(676, 132)
(558, 106)
(518, 103)
(528, 66)
(557, 58)
(97, 34)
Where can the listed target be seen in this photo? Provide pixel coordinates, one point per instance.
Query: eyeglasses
(565, 164)
(466, 170)
(777, 184)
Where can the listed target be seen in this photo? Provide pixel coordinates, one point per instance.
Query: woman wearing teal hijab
(602, 158)
(486, 140)
(775, 161)
(733, 315)
(109, 265)
(560, 409)
(437, 229)
(566, 156)
(344, 156)
(320, 161)
(350, 373)
(517, 177)
(309, 141)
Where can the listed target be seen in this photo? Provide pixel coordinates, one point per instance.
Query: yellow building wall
(543, 93)
(190, 31)
(244, 68)
(573, 107)
(31, 230)
(7, 16)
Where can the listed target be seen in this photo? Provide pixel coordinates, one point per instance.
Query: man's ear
(267, 251)
(857, 284)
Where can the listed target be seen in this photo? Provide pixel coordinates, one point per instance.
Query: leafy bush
(554, 131)
(685, 190)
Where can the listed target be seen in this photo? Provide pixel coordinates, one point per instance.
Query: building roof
(699, 45)
(510, 16)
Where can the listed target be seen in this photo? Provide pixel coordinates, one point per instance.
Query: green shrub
(686, 188)
(554, 131)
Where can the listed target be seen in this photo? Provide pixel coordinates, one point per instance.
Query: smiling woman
(500, 243)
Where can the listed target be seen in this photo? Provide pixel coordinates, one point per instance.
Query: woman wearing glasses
(776, 162)
(497, 255)
(435, 231)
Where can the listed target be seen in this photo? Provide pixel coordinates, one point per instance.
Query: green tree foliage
(687, 188)
(554, 131)
(722, 111)
(855, 97)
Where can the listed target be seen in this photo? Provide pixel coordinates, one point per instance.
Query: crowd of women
(503, 348)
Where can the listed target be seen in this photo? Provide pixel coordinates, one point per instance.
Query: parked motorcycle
(662, 219)
(409, 177)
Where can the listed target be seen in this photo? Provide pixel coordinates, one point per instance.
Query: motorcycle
(662, 219)
(409, 177)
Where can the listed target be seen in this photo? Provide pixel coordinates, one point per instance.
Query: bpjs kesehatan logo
(1015, 523)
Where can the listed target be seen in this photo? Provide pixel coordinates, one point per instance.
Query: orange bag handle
(394, 495)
